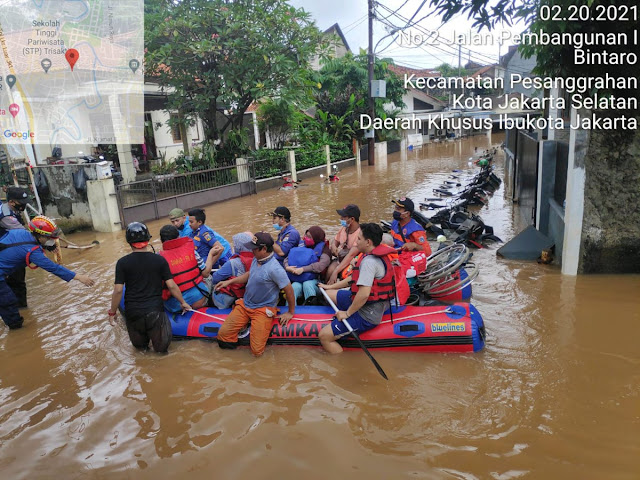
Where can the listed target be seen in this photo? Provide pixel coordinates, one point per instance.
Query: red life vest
(237, 289)
(180, 254)
(417, 260)
(382, 289)
(400, 276)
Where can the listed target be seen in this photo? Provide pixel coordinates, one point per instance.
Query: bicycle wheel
(444, 262)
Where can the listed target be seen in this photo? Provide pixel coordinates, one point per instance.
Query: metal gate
(153, 198)
(526, 176)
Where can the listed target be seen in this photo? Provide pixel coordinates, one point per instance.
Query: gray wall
(70, 207)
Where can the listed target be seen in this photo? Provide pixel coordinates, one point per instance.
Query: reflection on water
(554, 395)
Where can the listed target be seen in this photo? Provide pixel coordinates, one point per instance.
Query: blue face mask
(277, 227)
(343, 223)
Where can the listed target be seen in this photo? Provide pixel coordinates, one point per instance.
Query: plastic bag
(80, 181)
(41, 183)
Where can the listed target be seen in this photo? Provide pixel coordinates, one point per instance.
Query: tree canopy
(344, 87)
(218, 56)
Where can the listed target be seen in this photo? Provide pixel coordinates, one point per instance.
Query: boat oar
(355, 335)
(70, 244)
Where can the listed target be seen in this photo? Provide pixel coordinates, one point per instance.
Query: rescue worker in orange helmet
(20, 247)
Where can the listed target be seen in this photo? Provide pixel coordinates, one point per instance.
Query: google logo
(22, 135)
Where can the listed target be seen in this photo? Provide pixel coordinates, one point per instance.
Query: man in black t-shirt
(144, 273)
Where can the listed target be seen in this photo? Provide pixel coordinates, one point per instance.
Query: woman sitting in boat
(238, 264)
(305, 264)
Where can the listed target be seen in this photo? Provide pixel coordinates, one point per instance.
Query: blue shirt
(233, 268)
(287, 239)
(204, 238)
(185, 231)
(14, 257)
(265, 283)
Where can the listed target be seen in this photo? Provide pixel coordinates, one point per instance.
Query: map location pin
(72, 57)
(14, 109)
(134, 65)
(46, 64)
(11, 80)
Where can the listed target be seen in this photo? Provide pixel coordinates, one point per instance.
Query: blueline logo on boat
(447, 327)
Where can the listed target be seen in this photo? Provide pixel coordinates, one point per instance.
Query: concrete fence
(73, 195)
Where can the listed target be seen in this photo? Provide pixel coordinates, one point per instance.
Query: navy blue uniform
(10, 220)
(15, 245)
(287, 239)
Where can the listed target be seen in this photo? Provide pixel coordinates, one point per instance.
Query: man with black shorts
(143, 273)
(372, 286)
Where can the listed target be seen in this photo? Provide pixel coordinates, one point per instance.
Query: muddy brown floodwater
(555, 394)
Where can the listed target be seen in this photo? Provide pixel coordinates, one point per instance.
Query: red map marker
(72, 57)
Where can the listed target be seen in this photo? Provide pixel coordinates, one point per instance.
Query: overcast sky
(351, 15)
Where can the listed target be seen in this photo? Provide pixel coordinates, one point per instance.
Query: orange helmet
(44, 226)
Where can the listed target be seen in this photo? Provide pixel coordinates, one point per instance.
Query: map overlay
(71, 71)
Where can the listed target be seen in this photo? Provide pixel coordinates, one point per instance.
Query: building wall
(69, 206)
(521, 66)
(164, 139)
(611, 223)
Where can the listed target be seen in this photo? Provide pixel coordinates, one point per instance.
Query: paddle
(70, 244)
(355, 335)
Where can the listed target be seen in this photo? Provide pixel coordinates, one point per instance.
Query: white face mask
(50, 243)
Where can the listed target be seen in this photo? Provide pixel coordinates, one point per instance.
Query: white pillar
(122, 143)
(103, 205)
(358, 159)
(126, 163)
(327, 152)
(243, 169)
(256, 131)
(574, 211)
(292, 165)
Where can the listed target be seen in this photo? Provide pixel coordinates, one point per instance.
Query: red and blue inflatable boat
(447, 328)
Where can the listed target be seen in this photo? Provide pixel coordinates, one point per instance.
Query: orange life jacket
(180, 254)
(237, 289)
(382, 289)
(347, 271)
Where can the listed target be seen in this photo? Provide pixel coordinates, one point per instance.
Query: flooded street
(555, 394)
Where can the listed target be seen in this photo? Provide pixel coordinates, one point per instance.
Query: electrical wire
(429, 33)
(454, 52)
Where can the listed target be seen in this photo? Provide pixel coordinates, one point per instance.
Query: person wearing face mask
(288, 236)
(408, 235)
(11, 217)
(344, 246)
(305, 264)
(20, 247)
(180, 220)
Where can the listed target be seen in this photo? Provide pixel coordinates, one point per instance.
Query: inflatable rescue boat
(447, 328)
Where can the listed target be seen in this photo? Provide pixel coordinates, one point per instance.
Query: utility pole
(372, 144)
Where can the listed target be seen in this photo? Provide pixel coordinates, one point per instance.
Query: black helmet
(137, 232)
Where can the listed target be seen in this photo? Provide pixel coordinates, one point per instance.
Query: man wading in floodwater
(19, 247)
(143, 273)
